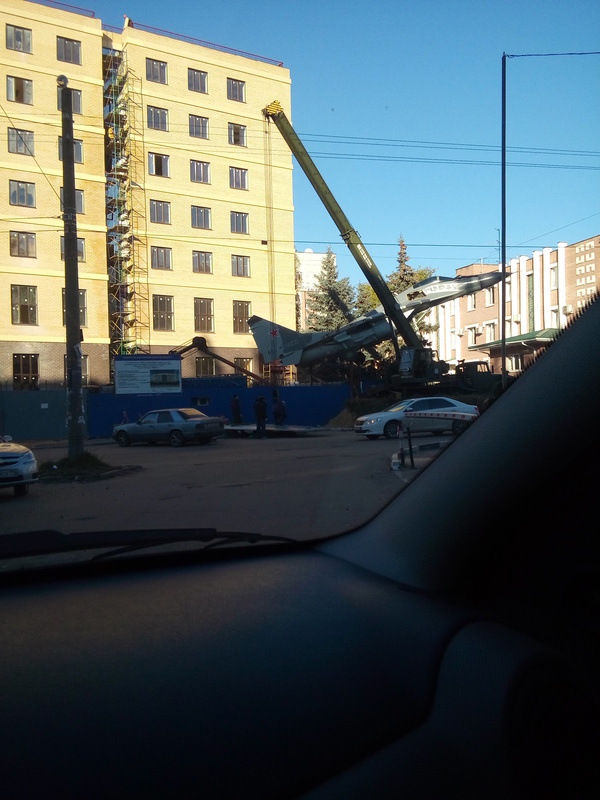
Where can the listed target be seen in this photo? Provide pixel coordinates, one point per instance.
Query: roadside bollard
(399, 431)
(410, 450)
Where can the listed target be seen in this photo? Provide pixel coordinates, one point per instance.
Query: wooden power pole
(75, 417)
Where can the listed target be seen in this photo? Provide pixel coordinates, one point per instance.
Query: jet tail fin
(277, 343)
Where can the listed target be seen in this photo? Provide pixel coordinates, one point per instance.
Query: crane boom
(274, 112)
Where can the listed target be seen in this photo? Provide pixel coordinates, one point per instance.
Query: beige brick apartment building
(184, 206)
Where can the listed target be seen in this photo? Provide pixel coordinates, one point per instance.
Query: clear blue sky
(399, 103)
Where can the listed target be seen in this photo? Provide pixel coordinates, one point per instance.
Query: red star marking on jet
(274, 332)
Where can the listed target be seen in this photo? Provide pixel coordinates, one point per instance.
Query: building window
(472, 336)
(204, 321)
(237, 134)
(77, 150)
(82, 308)
(18, 39)
(490, 296)
(24, 305)
(80, 249)
(75, 100)
(241, 315)
(243, 365)
(22, 193)
(201, 217)
(198, 126)
(68, 50)
(22, 244)
(25, 371)
(85, 371)
(19, 90)
(162, 308)
(554, 277)
(20, 142)
(156, 71)
(238, 178)
(197, 81)
(158, 118)
(205, 367)
(490, 332)
(199, 171)
(201, 262)
(239, 222)
(240, 265)
(236, 90)
(471, 302)
(158, 164)
(79, 204)
(160, 211)
(161, 257)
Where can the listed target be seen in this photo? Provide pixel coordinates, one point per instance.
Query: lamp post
(75, 418)
(503, 233)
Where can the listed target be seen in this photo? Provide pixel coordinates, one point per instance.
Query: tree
(332, 304)
(366, 299)
(404, 275)
(298, 287)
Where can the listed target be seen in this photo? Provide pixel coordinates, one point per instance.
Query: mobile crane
(415, 363)
(199, 343)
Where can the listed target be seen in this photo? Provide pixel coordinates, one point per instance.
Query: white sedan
(425, 415)
(18, 466)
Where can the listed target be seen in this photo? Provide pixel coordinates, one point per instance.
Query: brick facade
(264, 195)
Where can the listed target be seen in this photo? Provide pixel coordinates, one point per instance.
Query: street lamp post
(503, 233)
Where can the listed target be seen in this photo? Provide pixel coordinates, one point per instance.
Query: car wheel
(458, 426)
(176, 439)
(21, 489)
(390, 429)
(123, 439)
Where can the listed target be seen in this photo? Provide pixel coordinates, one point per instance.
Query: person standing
(236, 410)
(279, 412)
(260, 412)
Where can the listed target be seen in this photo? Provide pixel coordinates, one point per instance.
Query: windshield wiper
(51, 542)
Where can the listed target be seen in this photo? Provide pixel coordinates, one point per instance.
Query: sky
(399, 104)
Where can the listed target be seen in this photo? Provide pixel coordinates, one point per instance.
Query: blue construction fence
(36, 415)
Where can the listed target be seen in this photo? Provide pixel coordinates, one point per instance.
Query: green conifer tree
(332, 304)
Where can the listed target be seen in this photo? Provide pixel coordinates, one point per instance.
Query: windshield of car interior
(190, 342)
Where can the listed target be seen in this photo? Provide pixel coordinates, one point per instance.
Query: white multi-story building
(543, 291)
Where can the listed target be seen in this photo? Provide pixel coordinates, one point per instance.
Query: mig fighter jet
(277, 343)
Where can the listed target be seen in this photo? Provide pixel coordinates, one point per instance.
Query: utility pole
(503, 234)
(75, 419)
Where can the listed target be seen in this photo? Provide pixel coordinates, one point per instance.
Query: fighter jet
(277, 343)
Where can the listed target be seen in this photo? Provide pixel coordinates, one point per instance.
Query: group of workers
(260, 412)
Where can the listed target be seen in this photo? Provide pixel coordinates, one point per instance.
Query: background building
(542, 293)
(185, 210)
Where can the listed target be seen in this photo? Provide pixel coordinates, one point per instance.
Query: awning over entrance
(525, 345)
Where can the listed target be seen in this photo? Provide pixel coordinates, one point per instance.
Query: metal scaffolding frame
(127, 252)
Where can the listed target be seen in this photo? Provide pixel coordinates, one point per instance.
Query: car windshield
(190, 345)
(398, 406)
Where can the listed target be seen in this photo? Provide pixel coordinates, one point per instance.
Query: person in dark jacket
(236, 410)
(279, 412)
(260, 412)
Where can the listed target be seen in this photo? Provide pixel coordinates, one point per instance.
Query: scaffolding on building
(129, 304)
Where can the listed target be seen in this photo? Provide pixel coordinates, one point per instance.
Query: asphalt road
(302, 487)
